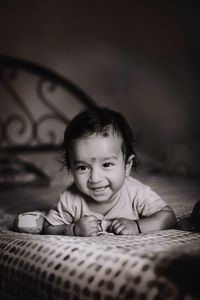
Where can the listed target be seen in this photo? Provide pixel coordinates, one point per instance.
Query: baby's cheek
(80, 183)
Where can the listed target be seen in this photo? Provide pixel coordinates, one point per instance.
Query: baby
(98, 151)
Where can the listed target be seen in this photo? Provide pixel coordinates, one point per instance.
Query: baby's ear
(129, 164)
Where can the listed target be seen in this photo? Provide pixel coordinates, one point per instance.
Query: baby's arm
(163, 219)
(85, 226)
(58, 229)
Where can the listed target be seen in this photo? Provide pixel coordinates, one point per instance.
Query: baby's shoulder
(136, 188)
(132, 182)
(71, 193)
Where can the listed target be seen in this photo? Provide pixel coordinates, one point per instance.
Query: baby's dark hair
(102, 121)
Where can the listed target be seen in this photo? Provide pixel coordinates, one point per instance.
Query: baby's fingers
(119, 229)
(90, 218)
(115, 225)
(93, 231)
(114, 222)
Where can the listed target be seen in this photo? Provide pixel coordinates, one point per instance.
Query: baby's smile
(99, 189)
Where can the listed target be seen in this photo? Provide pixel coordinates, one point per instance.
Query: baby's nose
(95, 175)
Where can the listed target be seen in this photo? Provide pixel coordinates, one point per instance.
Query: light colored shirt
(135, 200)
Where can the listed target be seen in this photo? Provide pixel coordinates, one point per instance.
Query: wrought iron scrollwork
(15, 123)
(23, 129)
(16, 129)
(55, 115)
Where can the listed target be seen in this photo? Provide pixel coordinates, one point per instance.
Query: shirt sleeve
(63, 213)
(147, 202)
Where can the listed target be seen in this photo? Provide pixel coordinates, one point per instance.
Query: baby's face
(98, 166)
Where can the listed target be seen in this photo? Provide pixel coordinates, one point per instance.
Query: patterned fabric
(105, 267)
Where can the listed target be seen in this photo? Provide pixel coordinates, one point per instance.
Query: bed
(159, 265)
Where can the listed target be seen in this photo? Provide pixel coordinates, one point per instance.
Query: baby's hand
(123, 226)
(86, 226)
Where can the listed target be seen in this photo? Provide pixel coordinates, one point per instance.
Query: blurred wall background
(138, 57)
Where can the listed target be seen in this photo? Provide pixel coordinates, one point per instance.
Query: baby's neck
(103, 207)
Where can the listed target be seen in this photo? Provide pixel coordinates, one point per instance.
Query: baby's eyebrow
(76, 162)
(110, 157)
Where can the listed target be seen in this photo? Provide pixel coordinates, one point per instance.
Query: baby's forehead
(109, 135)
(98, 142)
(97, 148)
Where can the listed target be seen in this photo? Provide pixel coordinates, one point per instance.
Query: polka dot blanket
(160, 265)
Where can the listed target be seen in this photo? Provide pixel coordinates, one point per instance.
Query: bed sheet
(159, 265)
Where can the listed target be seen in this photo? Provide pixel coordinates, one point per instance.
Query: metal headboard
(25, 86)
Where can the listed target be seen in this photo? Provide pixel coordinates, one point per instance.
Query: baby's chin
(103, 198)
(99, 199)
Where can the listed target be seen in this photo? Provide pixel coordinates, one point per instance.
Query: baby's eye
(108, 164)
(81, 168)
